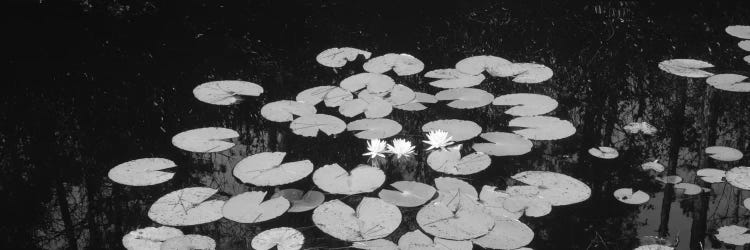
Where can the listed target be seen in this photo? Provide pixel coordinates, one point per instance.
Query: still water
(97, 83)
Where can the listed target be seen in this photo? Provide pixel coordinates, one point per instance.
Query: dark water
(96, 83)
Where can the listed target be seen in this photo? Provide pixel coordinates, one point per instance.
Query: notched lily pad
(542, 127)
(506, 234)
(689, 188)
(338, 57)
(686, 68)
(283, 238)
(189, 242)
(739, 177)
(142, 172)
(525, 104)
(373, 219)
(285, 110)
(711, 175)
(604, 152)
(336, 180)
(186, 207)
(249, 207)
(475, 65)
(453, 78)
(205, 140)
(266, 169)
(503, 144)
(409, 194)
(374, 82)
(460, 130)
(225, 92)
(627, 196)
(465, 98)
(149, 238)
(523, 72)
(729, 82)
(377, 128)
(449, 161)
(301, 201)
(309, 125)
(558, 189)
(739, 31)
(734, 235)
(379, 244)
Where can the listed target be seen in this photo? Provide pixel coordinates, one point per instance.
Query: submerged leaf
(225, 92)
(301, 202)
(416, 240)
(205, 140)
(142, 172)
(373, 219)
(283, 238)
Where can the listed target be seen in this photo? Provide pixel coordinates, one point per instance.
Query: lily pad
(558, 189)
(416, 104)
(722, 153)
(734, 235)
(626, 195)
(525, 104)
(493, 201)
(670, 179)
(374, 82)
(454, 223)
(332, 95)
(416, 240)
(475, 65)
(689, 188)
(744, 45)
(149, 238)
(379, 244)
(336, 180)
(189, 242)
(453, 78)
(205, 140)
(373, 219)
(523, 72)
(142, 172)
(400, 95)
(653, 165)
(506, 234)
(266, 169)
(542, 127)
(338, 57)
(186, 207)
(739, 177)
(301, 201)
(604, 152)
(309, 125)
(654, 247)
(530, 203)
(249, 207)
(465, 98)
(283, 238)
(503, 144)
(371, 105)
(460, 130)
(409, 194)
(729, 82)
(449, 188)
(739, 31)
(449, 161)
(285, 110)
(225, 92)
(377, 128)
(686, 67)
(712, 175)
(401, 64)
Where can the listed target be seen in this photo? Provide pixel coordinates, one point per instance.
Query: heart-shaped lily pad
(285, 110)
(225, 92)
(142, 172)
(186, 207)
(249, 207)
(205, 140)
(283, 238)
(266, 169)
(309, 125)
(373, 219)
(336, 180)
(338, 57)
(409, 194)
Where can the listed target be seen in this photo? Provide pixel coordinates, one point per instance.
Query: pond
(504, 125)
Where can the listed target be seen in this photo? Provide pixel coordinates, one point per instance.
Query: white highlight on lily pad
(142, 172)
(283, 238)
(401, 64)
(225, 92)
(449, 161)
(722, 153)
(558, 189)
(670, 179)
(266, 169)
(711, 175)
(374, 82)
(189, 242)
(686, 68)
(730, 82)
(503, 144)
(739, 31)
(542, 127)
(301, 201)
(604, 152)
(332, 95)
(627, 196)
(653, 165)
(416, 240)
(205, 140)
(523, 72)
(689, 188)
(373, 219)
(375, 128)
(417, 103)
(338, 57)
(453, 78)
(734, 235)
(336, 180)
(379, 244)
(149, 238)
(475, 65)
(465, 98)
(739, 177)
(459, 130)
(409, 194)
(285, 110)
(309, 125)
(640, 127)
(506, 234)
(525, 104)
(249, 207)
(186, 207)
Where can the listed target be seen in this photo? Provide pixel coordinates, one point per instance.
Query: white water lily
(438, 139)
(376, 148)
(401, 147)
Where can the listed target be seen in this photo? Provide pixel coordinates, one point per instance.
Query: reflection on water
(98, 84)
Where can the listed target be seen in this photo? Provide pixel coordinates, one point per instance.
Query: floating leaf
(686, 67)
(689, 188)
(526, 199)
(670, 179)
(460, 130)
(712, 175)
(300, 200)
(506, 234)
(747, 59)
(454, 222)
(558, 189)
(416, 240)
(453, 78)
(186, 207)
(249, 207)
(400, 95)
(542, 127)
(374, 82)
(465, 98)
(449, 188)
(503, 144)
(225, 92)
(371, 105)
(332, 95)
(604, 152)
(205, 140)
(373, 219)
(379, 244)
(285, 110)
(189, 242)
(739, 177)
(653, 165)
(449, 161)
(362, 179)
(142, 172)
(149, 238)
(739, 31)
(744, 45)
(409, 194)
(523, 72)
(416, 104)
(734, 235)
(265, 169)
(526, 104)
(377, 128)
(644, 127)
(626, 195)
(729, 82)
(401, 64)
(338, 57)
(654, 247)
(309, 125)
(722, 153)
(493, 201)
(283, 238)
(475, 65)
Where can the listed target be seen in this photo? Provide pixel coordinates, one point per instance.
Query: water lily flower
(376, 148)
(401, 147)
(438, 139)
